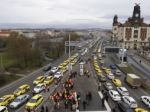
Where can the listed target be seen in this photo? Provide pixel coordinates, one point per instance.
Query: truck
(133, 80)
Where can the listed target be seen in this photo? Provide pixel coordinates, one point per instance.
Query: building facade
(134, 33)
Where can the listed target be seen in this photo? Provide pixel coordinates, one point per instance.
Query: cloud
(68, 11)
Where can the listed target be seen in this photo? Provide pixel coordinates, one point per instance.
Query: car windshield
(108, 84)
(116, 95)
(38, 86)
(33, 100)
(17, 100)
(18, 89)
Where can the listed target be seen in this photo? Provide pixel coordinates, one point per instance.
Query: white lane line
(105, 103)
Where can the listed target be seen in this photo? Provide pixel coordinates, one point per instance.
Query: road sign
(72, 43)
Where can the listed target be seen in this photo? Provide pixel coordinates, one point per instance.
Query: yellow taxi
(99, 71)
(63, 70)
(34, 102)
(107, 71)
(140, 110)
(64, 64)
(49, 80)
(60, 66)
(5, 100)
(74, 62)
(21, 90)
(117, 82)
(39, 80)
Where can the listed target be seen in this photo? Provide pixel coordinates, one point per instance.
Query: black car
(124, 107)
(102, 78)
(47, 68)
(113, 66)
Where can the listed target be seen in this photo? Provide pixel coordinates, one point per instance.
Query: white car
(146, 100)
(3, 109)
(110, 76)
(39, 88)
(58, 75)
(20, 100)
(130, 101)
(54, 69)
(118, 72)
(123, 91)
(114, 95)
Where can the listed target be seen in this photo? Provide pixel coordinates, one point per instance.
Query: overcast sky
(79, 13)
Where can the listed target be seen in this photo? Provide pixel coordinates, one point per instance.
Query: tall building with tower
(134, 33)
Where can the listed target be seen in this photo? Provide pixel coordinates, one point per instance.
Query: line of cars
(20, 96)
(125, 102)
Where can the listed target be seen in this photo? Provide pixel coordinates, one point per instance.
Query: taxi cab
(107, 71)
(49, 80)
(39, 80)
(140, 110)
(64, 69)
(5, 100)
(117, 82)
(34, 102)
(74, 62)
(60, 66)
(99, 71)
(21, 90)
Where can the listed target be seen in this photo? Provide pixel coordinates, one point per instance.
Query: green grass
(6, 79)
(5, 62)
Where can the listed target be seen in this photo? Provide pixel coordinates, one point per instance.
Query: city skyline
(67, 13)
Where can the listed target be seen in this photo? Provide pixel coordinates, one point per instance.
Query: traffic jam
(110, 77)
(21, 95)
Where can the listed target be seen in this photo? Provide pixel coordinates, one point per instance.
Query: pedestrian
(140, 61)
(90, 96)
(114, 108)
(42, 108)
(103, 100)
(99, 86)
(84, 103)
(77, 110)
(47, 109)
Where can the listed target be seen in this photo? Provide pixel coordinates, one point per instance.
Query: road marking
(105, 103)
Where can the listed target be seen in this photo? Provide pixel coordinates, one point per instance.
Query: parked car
(130, 101)
(113, 66)
(114, 95)
(6, 100)
(140, 110)
(117, 82)
(117, 72)
(124, 107)
(38, 88)
(20, 100)
(47, 68)
(39, 80)
(34, 102)
(123, 91)
(110, 76)
(3, 109)
(146, 100)
(21, 90)
(54, 69)
(108, 86)
(58, 75)
(102, 78)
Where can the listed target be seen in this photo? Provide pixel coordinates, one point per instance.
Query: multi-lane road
(83, 84)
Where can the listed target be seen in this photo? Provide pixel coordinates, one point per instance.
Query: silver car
(20, 100)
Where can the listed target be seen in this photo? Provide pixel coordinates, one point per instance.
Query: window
(135, 33)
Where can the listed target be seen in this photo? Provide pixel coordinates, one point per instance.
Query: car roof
(123, 88)
(2, 107)
(36, 96)
(130, 98)
(40, 84)
(21, 96)
(114, 92)
(23, 86)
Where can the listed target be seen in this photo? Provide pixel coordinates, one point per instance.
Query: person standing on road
(103, 100)
(99, 86)
(84, 103)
